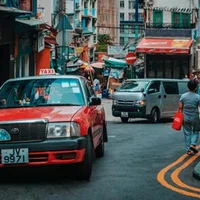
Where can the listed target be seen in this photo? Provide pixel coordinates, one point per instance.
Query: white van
(148, 98)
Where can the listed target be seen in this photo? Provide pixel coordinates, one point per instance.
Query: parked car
(51, 120)
(147, 98)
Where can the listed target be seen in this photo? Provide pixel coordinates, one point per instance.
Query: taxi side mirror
(95, 101)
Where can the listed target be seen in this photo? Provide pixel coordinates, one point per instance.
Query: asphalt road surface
(142, 161)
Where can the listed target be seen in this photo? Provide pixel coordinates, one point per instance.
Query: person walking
(189, 106)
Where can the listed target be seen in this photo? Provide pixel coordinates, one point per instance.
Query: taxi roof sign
(48, 71)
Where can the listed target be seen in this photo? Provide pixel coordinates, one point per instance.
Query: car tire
(100, 149)
(124, 119)
(84, 169)
(154, 117)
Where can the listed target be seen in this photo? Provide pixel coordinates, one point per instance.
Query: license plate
(14, 156)
(124, 114)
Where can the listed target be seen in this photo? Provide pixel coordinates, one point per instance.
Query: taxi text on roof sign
(47, 72)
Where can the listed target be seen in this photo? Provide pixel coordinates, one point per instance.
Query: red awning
(164, 45)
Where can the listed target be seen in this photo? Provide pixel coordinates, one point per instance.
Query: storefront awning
(30, 22)
(115, 63)
(161, 45)
(13, 10)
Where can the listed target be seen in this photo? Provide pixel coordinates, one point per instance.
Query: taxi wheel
(124, 119)
(100, 149)
(84, 169)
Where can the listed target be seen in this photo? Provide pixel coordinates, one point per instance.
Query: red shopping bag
(178, 121)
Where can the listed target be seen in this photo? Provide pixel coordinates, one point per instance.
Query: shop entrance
(167, 66)
(4, 63)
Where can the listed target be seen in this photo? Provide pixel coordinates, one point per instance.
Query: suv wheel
(154, 118)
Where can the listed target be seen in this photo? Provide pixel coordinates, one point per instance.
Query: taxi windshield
(41, 92)
(133, 86)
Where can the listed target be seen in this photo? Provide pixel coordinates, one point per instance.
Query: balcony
(168, 30)
(169, 26)
(86, 13)
(77, 23)
(87, 31)
(94, 12)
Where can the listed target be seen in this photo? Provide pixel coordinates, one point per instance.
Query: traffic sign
(131, 58)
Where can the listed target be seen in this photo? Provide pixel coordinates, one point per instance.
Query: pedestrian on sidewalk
(189, 105)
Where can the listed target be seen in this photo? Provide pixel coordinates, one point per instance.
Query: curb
(196, 172)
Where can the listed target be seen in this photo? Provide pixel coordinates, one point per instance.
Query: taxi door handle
(165, 96)
(159, 96)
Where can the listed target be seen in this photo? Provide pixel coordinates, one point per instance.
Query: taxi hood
(50, 113)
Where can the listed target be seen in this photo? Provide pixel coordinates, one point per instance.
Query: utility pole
(62, 11)
(198, 31)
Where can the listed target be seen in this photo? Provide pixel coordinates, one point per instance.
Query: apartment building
(131, 20)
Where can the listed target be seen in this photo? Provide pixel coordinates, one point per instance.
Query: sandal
(189, 153)
(193, 148)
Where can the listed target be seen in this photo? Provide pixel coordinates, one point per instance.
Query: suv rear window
(170, 87)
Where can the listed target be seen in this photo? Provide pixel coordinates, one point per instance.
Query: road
(134, 167)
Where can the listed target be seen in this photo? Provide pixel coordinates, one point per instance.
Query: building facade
(108, 19)
(169, 43)
(19, 41)
(131, 21)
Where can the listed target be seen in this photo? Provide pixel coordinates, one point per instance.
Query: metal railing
(170, 25)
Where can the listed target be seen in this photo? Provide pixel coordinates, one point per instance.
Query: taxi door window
(90, 92)
(154, 87)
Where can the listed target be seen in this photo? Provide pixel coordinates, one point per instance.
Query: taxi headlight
(140, 103)
(62, 130)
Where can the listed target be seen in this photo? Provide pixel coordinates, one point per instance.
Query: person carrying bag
(188, 105)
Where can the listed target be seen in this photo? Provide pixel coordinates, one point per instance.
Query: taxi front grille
(23, 132)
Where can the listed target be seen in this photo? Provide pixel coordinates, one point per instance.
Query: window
(180, 20)
(131, 4)
(171, 87)
(121, 40)
(121, 28)
(131, 16)
(121, 4)
(157, 18)
(121, 16)
(140, 17)
(154, 87)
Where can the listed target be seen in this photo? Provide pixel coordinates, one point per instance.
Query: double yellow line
(175, 177)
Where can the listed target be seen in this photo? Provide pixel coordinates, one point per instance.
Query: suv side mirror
(95, 101)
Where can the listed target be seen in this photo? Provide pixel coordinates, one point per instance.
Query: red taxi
(51, 119)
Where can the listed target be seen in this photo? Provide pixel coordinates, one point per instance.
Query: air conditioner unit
(150, 2)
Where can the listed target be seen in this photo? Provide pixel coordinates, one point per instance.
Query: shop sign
(40, 45)
(26, 5)
(117, 50)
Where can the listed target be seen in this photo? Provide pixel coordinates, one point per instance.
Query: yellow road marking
(175, 175)
(161, 177)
